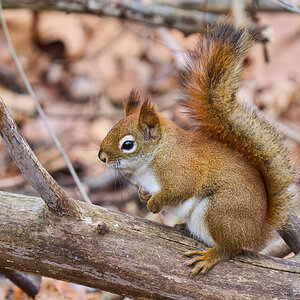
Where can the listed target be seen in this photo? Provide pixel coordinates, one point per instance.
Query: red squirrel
(228, 177)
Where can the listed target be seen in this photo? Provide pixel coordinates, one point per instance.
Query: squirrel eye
(127, 144)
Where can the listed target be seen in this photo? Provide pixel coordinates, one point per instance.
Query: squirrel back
(209, 83)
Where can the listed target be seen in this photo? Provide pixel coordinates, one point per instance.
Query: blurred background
(82, 68)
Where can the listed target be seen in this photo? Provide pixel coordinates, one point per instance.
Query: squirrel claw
(195, 259)
(204, 261)
(195, 252)
(143, 195)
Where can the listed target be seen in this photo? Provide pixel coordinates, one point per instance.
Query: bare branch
(129, 255)
(53, 195)
(289, 6)
(186, 16)
(140, 11)
(222, 6)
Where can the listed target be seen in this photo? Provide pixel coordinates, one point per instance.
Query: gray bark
(186, 16)
(129, 255)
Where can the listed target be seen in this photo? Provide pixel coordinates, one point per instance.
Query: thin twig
(289, 6)
(220, 6)
(140, 11)
(39, 108)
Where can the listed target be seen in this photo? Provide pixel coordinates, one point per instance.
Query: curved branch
(28, 283)
(129, 255)
(53, 195)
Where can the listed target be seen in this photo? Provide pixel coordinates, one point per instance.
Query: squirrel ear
(132, 103)
(149, 121)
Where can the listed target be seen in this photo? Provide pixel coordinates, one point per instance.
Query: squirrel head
(132, 141)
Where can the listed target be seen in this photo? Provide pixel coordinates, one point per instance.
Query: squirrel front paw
(144, 195)
(154, 205)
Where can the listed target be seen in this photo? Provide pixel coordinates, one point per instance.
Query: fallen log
(129, 255)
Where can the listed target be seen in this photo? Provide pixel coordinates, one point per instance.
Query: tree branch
(25, 282)
(133, 10)
(129, 255)
(53, 195)
(289, 6)
(221, 6)
(186, 16)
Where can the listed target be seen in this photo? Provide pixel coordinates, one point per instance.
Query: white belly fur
(146, 180)
(192, 212)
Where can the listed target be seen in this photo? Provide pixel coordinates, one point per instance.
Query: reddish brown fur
(133, 102)
(210, 83)
(237, 215)
(233, 158)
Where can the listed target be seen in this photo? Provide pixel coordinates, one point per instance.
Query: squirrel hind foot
(204, 260)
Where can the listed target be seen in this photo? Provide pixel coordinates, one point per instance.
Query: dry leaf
(99, 129)
(20, 106)
(277, 99)
(58, 26)
(20, 24)
(277, 81)
(102, 34)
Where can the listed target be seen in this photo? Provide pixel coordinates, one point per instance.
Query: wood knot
(102, 228)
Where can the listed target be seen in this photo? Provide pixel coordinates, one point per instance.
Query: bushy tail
(210, 82)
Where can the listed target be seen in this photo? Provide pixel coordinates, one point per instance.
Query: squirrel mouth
(115, 164)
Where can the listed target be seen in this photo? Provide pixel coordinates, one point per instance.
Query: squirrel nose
(102, 156)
